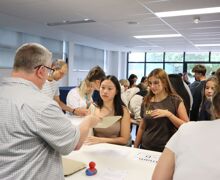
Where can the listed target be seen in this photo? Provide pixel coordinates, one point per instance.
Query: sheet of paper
(107, 121)
(147, 157)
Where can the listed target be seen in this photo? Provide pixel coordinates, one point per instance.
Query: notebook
(107, 121)
(71, 166)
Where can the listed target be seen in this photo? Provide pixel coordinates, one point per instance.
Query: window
(174, 68)
(215, 56)
(174, 62)
(136, 57)
(155, 57)
(197, 56)
(136, 68)
(152, 66)
(174, 57)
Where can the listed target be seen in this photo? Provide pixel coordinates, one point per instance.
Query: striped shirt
(33, 133)
(51, 88)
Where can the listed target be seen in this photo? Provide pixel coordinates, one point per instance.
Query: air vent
(70, 22)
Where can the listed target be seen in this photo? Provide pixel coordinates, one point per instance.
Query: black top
(196, 90)
(158, 131)
(205, 111)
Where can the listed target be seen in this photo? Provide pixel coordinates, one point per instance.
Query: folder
(107, 121)
(72, 166)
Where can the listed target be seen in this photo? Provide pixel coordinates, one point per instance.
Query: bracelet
(74, 110)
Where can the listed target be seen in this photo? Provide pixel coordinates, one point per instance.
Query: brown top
(158, 131)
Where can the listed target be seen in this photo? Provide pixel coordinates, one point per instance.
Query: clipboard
(72, 166)
(107, 121)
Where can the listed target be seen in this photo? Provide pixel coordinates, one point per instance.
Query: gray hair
(30, 55)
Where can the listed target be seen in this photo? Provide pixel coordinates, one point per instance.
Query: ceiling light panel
(188, 12)
(157, 36)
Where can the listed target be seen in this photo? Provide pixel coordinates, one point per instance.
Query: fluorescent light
(204, 45)
(189, 12)
(158, 36)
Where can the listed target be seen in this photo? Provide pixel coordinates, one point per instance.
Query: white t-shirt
(135, 105)
(51, 88)
(74, 100)
(197, 151)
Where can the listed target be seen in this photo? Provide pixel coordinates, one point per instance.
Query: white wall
(116, 63)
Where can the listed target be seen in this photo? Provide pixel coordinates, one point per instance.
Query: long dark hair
(180, 89)
(118, 103)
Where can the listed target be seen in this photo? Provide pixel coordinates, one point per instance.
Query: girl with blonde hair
(80, 98)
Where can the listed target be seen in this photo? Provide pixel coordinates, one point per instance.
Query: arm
(89, 122)
(74, 101)
(62, 105)
(124, 133)
(141, 130)
(178, 120)
(181, 117)
(165, 167)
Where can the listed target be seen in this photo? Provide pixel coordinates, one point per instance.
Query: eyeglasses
(50, 70)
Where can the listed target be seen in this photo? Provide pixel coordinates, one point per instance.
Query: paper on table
(144, 156)
(107, 121)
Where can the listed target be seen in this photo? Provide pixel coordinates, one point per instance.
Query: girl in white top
(80, 98)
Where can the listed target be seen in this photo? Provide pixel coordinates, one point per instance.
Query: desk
(120, 159)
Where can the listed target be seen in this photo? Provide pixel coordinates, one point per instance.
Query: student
(209, 90)
(193, 152)
(196, 89)
(135, 102)
(110, 103)
(162, 112)
(132, 80)
(34, 132)
(124, 85)
(95, 75)
(182, 90)
(51, 86)
(80, 98)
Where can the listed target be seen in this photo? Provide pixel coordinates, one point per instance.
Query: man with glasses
(51, 86)
(34, 132)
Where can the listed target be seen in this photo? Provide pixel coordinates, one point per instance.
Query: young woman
(110, 104)
(80, 98)
(162, 112)
(209, 89)
(193, 151)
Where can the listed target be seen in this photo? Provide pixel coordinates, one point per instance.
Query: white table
(116, 159)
